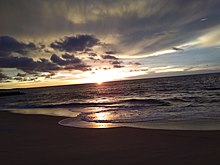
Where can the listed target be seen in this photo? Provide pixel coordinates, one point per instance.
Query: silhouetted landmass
(11, 93)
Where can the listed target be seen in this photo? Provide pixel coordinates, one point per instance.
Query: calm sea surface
(138, 103)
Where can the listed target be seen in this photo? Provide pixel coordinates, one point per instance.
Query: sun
(101, 116)
(99, 83)
(101, 76)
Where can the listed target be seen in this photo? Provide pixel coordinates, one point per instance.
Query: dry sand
(36, 139)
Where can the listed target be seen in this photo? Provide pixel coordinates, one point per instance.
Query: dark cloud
(118, 66)
(106, 68)
(134, 63)
(68, 56)
(4, 77)
(109, 57)
(138, 70)
(94, 59)
(27, 64)
(26, 77)
(47, 51)
(21, 74)
(42, 46)
(75, 43)
(92, 54)
(134, 70)
(87, 50)
(68, 59)
(177, 49)
(116, 62)
(9, 45)
(137, 63)
(110, 52)
(48, 76)
(80, 66)
(31, 78)
(69, 62)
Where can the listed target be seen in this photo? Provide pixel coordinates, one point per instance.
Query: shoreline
(39, 139)
(181, 125)
(70, 119)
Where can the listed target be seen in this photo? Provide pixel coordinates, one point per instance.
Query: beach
(109, 82)
(39, 139)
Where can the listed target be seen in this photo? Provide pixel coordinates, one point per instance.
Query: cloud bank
(52, 36)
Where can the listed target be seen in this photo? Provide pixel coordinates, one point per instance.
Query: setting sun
(101, 116)
(99, 83)
(100, 76)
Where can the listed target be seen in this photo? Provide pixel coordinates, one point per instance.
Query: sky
(58, 42)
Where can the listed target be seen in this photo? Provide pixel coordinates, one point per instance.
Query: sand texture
(36, 139)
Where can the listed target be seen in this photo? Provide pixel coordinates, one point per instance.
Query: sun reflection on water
(98, 120)
(102, 125)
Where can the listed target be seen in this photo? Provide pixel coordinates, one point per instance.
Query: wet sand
(40, 140)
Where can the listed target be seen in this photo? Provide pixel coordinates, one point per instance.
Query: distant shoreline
(134, 79)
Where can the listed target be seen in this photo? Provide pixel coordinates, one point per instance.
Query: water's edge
(73, 120)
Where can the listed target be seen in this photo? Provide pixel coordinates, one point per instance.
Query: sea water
(182, 102)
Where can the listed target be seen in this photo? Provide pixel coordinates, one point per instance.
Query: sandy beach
(38, 139)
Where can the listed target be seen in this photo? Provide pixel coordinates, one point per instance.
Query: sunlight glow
(101, 116)
(100, 76)
(99, 83)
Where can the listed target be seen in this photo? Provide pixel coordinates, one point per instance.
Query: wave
(211, 88)
(117, 116)
(147, 101)
(128, 102)
(175, 99)
(139, 115)
(11, 93)
(123, 120)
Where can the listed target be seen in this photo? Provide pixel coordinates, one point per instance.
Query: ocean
(181, 102)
